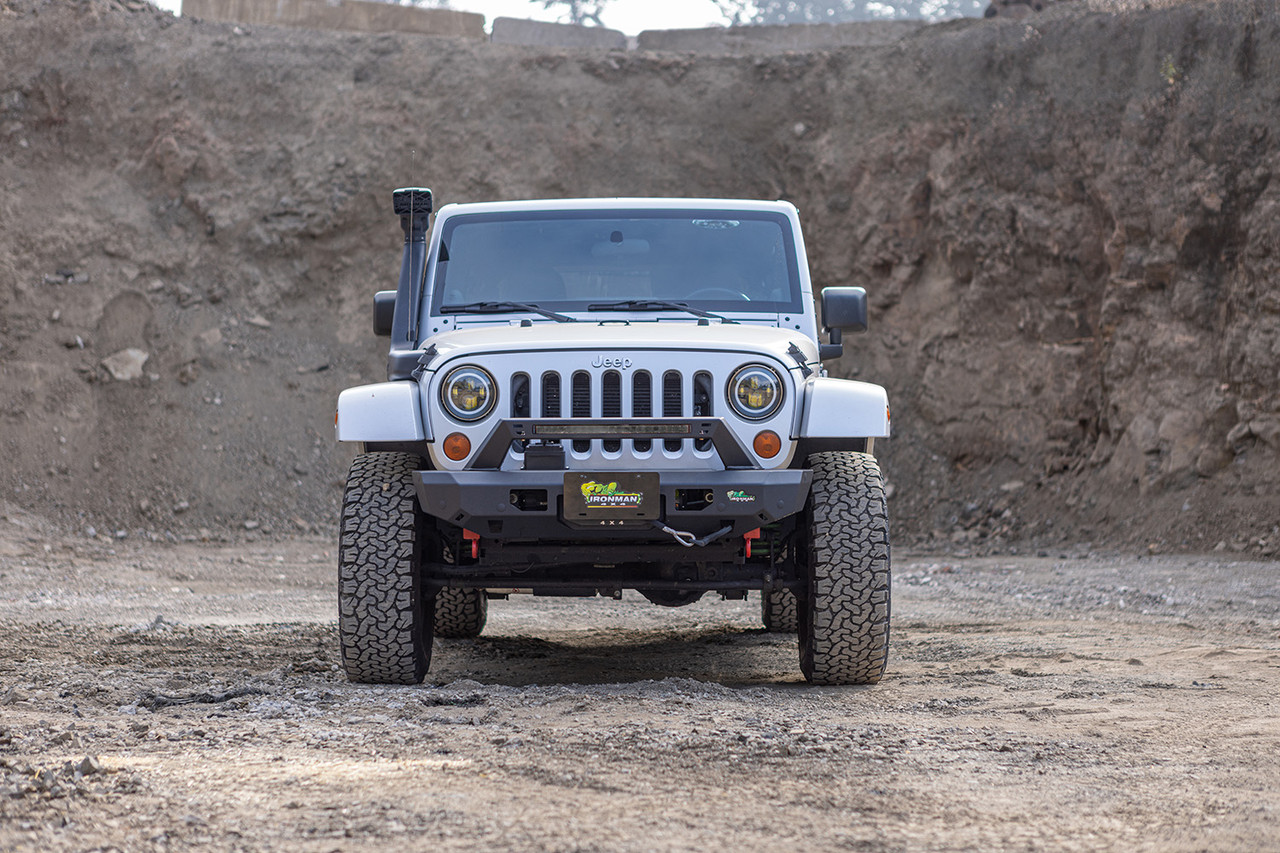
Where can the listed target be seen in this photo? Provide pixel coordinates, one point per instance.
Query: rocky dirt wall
(1066, 223)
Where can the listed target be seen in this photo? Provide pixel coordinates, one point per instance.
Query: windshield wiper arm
(505, 307)
(655, 304)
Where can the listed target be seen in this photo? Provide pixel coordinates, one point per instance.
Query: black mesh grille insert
(581, 405)
(642, 404)
(519, 403)
(702, 396)
(611, 404)
(520, 396)
(672, 404)
(550, 395)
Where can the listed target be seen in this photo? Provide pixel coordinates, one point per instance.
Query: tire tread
(460, 613)
(845, 620)
(383, 626)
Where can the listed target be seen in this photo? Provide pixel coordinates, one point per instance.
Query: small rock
(126, 365)
(1239, 433)
(89, 766)
(181, 507)
(259, 321)
(210, 337)
(1013, 486)
(157, 624)
(188, 297)
(252, 525)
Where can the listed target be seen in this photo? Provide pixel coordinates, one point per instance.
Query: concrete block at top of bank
(743, 41)
(358, 15)
(545, 34)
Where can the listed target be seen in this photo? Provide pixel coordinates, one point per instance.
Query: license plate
(614, 497)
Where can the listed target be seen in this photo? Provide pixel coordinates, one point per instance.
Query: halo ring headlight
(755, 392)
(468, 393)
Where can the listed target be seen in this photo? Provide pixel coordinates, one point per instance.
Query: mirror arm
(835, 349)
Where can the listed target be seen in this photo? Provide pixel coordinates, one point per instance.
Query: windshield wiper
(656, 305)
(503, 308)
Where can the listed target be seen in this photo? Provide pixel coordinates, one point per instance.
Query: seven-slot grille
(615, 394)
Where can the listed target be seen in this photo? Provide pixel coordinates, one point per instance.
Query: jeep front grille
(618, 394)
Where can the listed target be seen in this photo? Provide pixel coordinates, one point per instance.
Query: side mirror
(384, 311)
(844, 309)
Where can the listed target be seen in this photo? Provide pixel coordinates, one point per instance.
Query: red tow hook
(474, 539)
(748, 536)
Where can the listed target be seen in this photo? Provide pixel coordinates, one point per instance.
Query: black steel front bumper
(529, 505)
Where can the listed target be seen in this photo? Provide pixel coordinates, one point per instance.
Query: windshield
(714, 260)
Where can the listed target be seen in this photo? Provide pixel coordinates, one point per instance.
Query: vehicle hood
(633, 336)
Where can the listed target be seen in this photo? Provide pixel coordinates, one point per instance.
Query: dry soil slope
(1067, 225)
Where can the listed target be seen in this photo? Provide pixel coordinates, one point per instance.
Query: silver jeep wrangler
(587, 396)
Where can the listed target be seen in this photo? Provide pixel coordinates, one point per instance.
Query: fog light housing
(457, 446)
(767, 444)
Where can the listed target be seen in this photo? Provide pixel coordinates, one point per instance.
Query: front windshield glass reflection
(713, 260)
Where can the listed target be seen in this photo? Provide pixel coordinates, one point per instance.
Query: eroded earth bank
(1066, 223)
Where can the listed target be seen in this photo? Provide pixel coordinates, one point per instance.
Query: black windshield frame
(693, 251)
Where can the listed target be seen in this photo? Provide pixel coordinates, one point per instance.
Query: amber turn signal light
(457, 446)
(767, 444)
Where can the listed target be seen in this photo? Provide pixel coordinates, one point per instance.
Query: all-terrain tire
(778, 610)
(460, 613)
(844, 615)
(384, 621)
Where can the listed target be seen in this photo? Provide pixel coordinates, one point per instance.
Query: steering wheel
(719, 293)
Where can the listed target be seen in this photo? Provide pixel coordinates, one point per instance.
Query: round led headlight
(468, 393)
(755, 392)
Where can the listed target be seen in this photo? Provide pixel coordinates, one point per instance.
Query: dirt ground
(169, 697)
